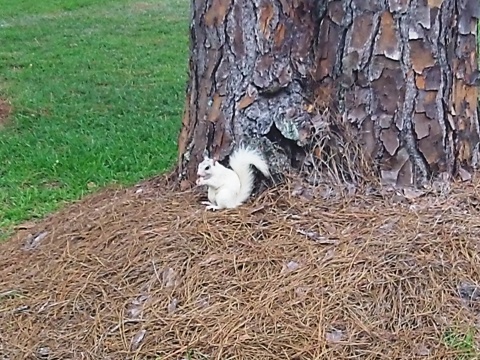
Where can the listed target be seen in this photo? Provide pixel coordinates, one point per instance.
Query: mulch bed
(148, 274)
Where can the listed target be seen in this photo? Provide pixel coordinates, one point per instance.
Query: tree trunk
(319, 86)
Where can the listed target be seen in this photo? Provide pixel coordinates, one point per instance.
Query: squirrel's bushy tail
(240, 161)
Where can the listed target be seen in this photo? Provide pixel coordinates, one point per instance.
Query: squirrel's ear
(205, 154)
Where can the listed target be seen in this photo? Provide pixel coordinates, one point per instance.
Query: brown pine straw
(142, 273)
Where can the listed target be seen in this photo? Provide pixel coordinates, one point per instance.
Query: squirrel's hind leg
(225, 199)
(212, 207)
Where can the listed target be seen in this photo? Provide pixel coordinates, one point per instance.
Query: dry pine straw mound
(143, 273)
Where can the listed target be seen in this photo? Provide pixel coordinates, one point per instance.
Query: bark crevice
(418, 170)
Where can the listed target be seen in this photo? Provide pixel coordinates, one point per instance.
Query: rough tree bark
(399, 74)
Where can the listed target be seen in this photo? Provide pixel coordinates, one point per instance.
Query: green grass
(463, 344)
(97, 88)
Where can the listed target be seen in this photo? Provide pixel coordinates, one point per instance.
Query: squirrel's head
(206, 167)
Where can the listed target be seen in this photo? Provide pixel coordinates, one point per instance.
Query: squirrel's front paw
(199, 181)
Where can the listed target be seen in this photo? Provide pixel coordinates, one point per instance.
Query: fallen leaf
(202, 302)
(464, 174)
(334, 336)
(185, 185)
(321, 240)
(301, 291)
(169, 278)
(329, 255)
(210, 259)
(411, 193)
(173, 305)
(135, 310)
(137, 339)
(422, 350)
(469, 291)
(291, 266)
(44, 352)
(33, 241)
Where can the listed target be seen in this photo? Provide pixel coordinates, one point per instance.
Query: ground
(139, 271)
(147, 273)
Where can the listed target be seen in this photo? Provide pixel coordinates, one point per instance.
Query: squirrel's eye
(207, 168)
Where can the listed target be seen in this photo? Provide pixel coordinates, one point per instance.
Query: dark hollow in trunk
(398, 76)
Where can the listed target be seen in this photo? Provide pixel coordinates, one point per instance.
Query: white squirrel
(228, 189)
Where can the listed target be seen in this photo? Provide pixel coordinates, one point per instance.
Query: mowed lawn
(97, 88)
